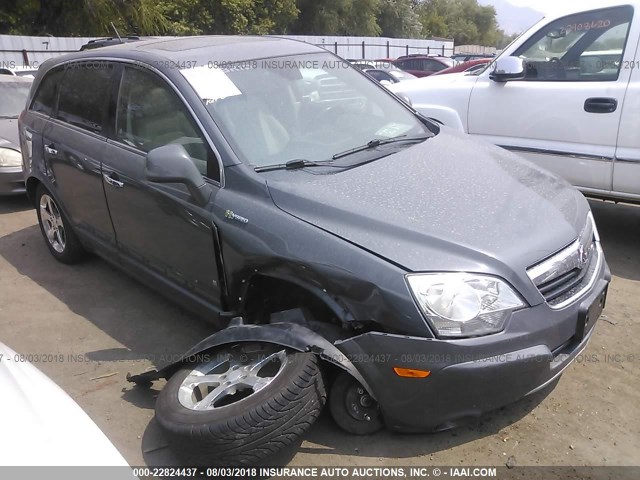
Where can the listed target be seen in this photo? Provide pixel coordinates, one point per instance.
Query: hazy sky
(549, 6)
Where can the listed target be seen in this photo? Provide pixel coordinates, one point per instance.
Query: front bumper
(472, 376)
(12, 181)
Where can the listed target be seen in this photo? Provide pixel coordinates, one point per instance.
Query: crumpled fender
(288, 335)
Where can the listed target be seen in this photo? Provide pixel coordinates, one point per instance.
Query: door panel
(73, 160)
(74, 144)
(158, 225)
(548, 117)
(626, 169)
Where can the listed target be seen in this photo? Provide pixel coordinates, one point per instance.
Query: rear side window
(84, 95)
(434, 66)
(45, 99)
(151, 115)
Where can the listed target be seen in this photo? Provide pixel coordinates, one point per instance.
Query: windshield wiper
(293, 165)
(378, 142)
(4, 117)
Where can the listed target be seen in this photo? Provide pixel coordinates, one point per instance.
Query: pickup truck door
(565, 114)
(626, 166)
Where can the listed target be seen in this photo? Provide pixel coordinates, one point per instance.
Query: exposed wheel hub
(360, 405)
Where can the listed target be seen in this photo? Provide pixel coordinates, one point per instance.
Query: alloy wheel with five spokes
(52, 223)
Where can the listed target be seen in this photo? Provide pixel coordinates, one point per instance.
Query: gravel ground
(102, 324)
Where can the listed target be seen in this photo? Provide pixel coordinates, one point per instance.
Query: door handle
(600, 105)
(112, 181)
(51, 149)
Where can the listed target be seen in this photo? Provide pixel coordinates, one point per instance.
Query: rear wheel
(56, 229)
(242, 404)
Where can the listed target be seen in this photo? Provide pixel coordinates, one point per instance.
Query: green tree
(89, 17)
(398, 18)
(337, 17)
(505, 39)
(433, 17)
(194, 17)
(465, 21)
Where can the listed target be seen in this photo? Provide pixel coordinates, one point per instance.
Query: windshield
(306, 107)
(13, 97)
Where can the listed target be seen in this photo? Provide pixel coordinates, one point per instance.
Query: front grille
(565, 276)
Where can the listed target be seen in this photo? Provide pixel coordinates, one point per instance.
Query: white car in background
(565, 95)
(40, 425)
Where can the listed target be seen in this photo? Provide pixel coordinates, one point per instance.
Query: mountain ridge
(512, 18)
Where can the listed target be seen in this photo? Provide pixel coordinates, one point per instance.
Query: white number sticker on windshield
(210, 83)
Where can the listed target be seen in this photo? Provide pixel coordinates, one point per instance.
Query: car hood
(9, 133)
(42, 425)
(449, 203)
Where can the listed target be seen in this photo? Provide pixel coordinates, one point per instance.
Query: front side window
(306, 107)
(584, 47)
(151, 115)
(45, 99)
(83, 95)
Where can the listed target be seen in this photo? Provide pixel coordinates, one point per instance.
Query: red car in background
(468, 66)
(423, 65)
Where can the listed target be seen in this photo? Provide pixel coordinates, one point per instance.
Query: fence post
(407, 46)
(335, 46)
(428, 49)
(25, 58)
(363, 54)
(443, 50)
(388, 50)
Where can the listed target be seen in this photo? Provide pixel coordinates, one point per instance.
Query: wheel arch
(290, 335)
(265, 286)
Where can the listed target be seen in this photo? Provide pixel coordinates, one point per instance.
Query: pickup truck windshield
(300, 107)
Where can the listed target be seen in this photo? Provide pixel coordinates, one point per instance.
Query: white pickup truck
(565, 95)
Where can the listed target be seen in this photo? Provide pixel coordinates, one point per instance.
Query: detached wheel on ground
(352, 408)
(56, 229)
(242, 405)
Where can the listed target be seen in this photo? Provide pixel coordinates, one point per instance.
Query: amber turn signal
(411, 373)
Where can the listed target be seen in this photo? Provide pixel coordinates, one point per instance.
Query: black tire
(251, 429)
(68, 251)
(352, 408)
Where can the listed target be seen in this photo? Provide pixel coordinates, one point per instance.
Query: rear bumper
(473, 376)
(12, 181)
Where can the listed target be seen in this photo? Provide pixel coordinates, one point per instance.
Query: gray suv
(337, 237)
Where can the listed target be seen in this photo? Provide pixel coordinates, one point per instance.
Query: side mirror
(508, 68)
(172, 164)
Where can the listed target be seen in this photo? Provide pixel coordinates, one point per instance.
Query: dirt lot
(103, 323)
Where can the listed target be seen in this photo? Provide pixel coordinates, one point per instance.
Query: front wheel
(352, 408)
(242, 404)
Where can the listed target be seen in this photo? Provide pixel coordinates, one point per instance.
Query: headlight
(463, 304)
(10, 158)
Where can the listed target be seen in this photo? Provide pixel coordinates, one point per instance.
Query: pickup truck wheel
(242, 404)
(352, 408)
(56, 229)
